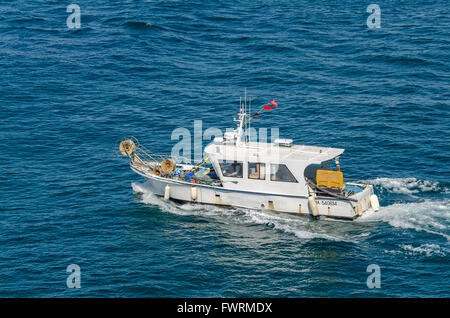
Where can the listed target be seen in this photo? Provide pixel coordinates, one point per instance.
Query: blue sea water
(144, 68)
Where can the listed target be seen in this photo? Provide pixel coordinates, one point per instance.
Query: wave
(425, 249)
(421, 250)
(429, 216)
(407, 185)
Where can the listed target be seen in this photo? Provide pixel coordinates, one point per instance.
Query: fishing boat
(276, 176)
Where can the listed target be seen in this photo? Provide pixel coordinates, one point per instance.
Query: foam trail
(429, 216)
(425, 249)
(138, 187)
(168, 206)
(289, 224)
(406, 185)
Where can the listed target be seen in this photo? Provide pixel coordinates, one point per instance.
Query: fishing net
(168, 165)
(127, 147)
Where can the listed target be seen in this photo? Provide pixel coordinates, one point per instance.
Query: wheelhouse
(273, 167)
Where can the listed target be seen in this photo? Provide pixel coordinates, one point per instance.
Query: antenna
(245, 113)
(240, 103)
(245, 110)
(249, 122)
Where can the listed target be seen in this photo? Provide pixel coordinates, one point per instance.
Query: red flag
(273, 103)
(267, 107)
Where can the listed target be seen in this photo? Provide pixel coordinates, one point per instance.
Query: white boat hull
(198, 193)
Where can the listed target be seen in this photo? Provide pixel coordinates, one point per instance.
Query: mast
(243, 126)
(249, 121)
(245, 111)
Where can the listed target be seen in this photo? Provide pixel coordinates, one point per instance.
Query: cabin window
(257, 171)
(311, 172)
(231, 169)
(281, 173)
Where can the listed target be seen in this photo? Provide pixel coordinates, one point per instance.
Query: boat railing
(327, 191)
(178, 159)
(147, 163)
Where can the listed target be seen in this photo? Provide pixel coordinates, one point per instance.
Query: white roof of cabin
(310, 154)
(313, 153)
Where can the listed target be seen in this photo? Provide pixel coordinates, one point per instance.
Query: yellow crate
(329, 179)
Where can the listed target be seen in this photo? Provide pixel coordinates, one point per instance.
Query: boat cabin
(279, 167)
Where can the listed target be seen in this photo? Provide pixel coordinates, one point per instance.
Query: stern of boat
(363, 197)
